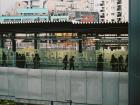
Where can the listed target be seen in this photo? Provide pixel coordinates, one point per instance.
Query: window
(119, 8)
(119, 1)
(119, 14)
(118, 19)
(113, 14)
(102, 20)
(112, 20)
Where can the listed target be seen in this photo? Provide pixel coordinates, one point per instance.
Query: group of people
(21, 60)
(70, 61)
(117, 64)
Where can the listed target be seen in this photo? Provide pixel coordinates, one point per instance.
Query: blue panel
(32, 10)
(23, 18)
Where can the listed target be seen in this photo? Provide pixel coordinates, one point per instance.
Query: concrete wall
(41, 86)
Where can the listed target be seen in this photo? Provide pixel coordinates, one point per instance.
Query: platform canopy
(40, 27)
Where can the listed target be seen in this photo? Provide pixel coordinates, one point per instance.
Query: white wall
(91, 87)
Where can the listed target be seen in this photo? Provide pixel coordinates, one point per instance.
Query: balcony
(119, 14)
(102, 11)
(119, 8)
(119, 2)
(102, 16)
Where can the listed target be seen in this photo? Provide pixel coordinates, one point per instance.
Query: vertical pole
(14, 48)
(134, 52)
(35, 41)
(80, 51)
(70, 102)
(51, 102)
(1, 41)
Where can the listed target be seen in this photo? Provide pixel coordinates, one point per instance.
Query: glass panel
(110, 88)
(62, 85)
(48, 84)
(21, 83)
(34, 84)
(94, 87)
(11, 81)
(78, 86)
(123, 88)
(3, 81)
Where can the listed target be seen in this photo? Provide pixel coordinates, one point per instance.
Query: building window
(119, 14)
(113, 14)
(102, 15)
(102, 20)
(101, 10)
(112, 20)
(119, 8)
(102, 3)
(119, 1)
(118, 19)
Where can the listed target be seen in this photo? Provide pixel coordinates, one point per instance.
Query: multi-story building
(113, 10)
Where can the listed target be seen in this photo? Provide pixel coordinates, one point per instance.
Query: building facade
(113, 10)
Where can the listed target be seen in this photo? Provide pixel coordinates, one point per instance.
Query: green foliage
(7, 102)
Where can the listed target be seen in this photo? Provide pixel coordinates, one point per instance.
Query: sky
(6, 5)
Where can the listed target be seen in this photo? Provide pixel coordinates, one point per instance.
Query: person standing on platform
(71, 61)
(36, 61)
(120, 63)
(4, 58)
(113, 62)
(126, 63)
(65, 62)
(100, 63)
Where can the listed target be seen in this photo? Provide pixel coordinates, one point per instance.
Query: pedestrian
(100, 62)
(65, 62)
(126, 63)
(120, 63)
(113, 62)
(4, 58)
(36, 61)
(71, 61)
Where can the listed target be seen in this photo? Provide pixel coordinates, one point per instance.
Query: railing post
(80, 51)
(14, 48)
(51, 102)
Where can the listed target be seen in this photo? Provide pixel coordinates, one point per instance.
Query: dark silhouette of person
(120, 63)
(65, 62)
(17, 59)
(126, 63)
(4, 58)
(23, 60)
(36, 61)
(113, 62)
(100, 62)
(71, 61)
